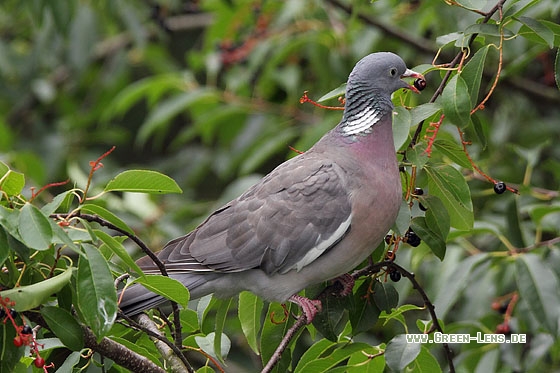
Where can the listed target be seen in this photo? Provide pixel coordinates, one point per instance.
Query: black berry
(420, 84)
(13, 313)
(418, 191)
(412, 238)
(395, 276)
(26, 330)
(2, 313)
(388, 239)
(500, 187)
(422, 207)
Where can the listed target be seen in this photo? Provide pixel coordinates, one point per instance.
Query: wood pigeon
(313, 218)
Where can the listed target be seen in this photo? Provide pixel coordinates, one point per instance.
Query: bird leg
(310, 307)
(347, 282)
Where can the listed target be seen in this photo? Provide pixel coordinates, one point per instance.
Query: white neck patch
(362, 122)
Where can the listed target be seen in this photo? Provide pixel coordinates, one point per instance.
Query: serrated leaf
(34, 228)
(456, 101)
(399, 353)
(249, 313)
(473, 70)
(64, 326)
(538, 287)
(95, 291)
(142, 181)
(540, 30)
(167, 287)
(451, 187)
(31, 296)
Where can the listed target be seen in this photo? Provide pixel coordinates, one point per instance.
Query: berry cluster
(24, 333)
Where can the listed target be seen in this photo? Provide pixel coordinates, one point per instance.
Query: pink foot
(347, 282)
(310, 307)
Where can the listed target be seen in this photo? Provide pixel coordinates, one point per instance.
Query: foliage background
(208, 92)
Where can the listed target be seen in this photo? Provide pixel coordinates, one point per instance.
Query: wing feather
(291, 217)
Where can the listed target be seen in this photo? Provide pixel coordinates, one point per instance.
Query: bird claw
(310, 307)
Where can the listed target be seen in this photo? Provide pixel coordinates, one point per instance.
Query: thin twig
(275, 358)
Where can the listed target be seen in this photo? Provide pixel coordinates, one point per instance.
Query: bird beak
(412, 74)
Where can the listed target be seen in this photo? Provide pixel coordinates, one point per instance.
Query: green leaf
(4, 252)
(167, 287)
(64, 326)
(432, 237)
(106, 215)
(330, 321)
(536, 27)
(385, 296)
(402, 122)
(34, 228)
(207, 344)
(361, 362)
(364, 313)
(11, 182)
(189, 321)
(455, 282)
(453, 151)
(399, 353)
(436, 216)
(95, 291)
(323, 356)
(456, 101)
(250, 312)
(451, 187)
(169, 108)
(337, 92)
(142, 181)
(424, 111)
(489, 29)
(272, 333)
(538, 288)
(473, 70)
(223, 307)
(426, 362)
(31, 296)
(118, 248)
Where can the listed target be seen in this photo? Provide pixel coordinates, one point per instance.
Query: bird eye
(393, 71)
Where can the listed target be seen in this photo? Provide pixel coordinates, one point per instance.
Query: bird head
(381, 73)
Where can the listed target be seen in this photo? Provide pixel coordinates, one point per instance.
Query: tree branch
(424, 45)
